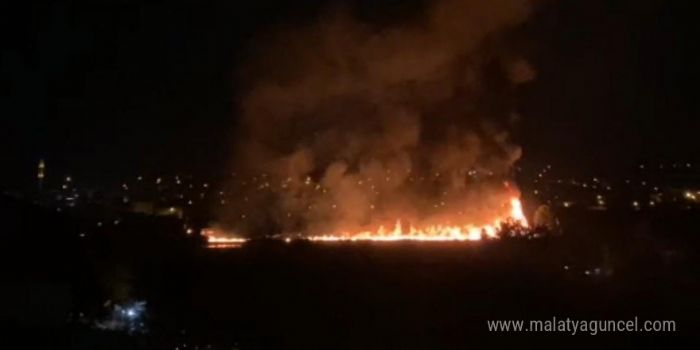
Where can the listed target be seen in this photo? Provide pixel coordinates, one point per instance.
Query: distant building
(41, 174)
(170, 211)
(149, 208)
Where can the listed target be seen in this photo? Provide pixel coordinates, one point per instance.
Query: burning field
(514, 223)
(438, 232)
(381, 131)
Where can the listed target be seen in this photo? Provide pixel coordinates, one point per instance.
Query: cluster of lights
(673, 165)
(128, 317)
(600, 200)
(542, 173)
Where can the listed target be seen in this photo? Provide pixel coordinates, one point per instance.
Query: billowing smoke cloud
(347, 126)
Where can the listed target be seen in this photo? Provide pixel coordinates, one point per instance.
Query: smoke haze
(347, 126)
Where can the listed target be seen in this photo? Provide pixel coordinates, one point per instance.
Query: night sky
(107, 89)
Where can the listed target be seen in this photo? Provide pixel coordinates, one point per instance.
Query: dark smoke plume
(347, 126)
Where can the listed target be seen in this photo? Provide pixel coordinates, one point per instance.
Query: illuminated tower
(41, 174)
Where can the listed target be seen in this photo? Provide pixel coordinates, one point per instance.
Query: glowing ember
(434, 232)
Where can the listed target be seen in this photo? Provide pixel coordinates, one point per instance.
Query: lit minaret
(41, 174)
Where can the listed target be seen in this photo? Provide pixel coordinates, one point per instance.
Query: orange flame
(516, 212)
(217, 240)
(466, 232)
(429, 233)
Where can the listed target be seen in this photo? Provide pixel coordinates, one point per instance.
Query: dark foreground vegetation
(270, 294)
